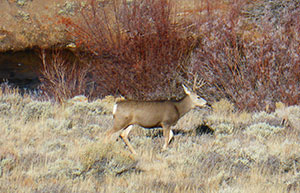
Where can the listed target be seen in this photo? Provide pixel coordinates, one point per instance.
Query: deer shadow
(202, 129)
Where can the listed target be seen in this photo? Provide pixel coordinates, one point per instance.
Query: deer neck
(184, 105)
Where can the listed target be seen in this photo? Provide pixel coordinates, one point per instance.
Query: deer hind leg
(109, 133)
(124, 136)
(117, 126)
(168, 134)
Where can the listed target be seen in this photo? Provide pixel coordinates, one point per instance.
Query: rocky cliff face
(25, 24)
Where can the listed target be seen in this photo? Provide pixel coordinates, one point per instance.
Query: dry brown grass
(48, 147)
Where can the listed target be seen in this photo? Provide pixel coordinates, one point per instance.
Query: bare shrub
(137, 46)
(144, 48)
(254, 70)
(63, 76)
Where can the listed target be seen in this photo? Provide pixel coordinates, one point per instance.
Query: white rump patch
(115, 109)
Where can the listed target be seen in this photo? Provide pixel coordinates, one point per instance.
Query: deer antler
(198, 84)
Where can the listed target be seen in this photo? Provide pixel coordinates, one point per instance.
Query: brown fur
(149, 114)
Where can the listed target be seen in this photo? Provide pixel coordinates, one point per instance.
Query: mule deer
(151, 114)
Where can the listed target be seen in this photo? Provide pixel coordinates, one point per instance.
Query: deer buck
(152, 114)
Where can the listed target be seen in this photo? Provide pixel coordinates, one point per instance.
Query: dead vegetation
(145, 49)
(244, 51)
(246, 54)
(49, 147)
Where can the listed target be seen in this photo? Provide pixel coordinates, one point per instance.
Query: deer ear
(186, 90)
